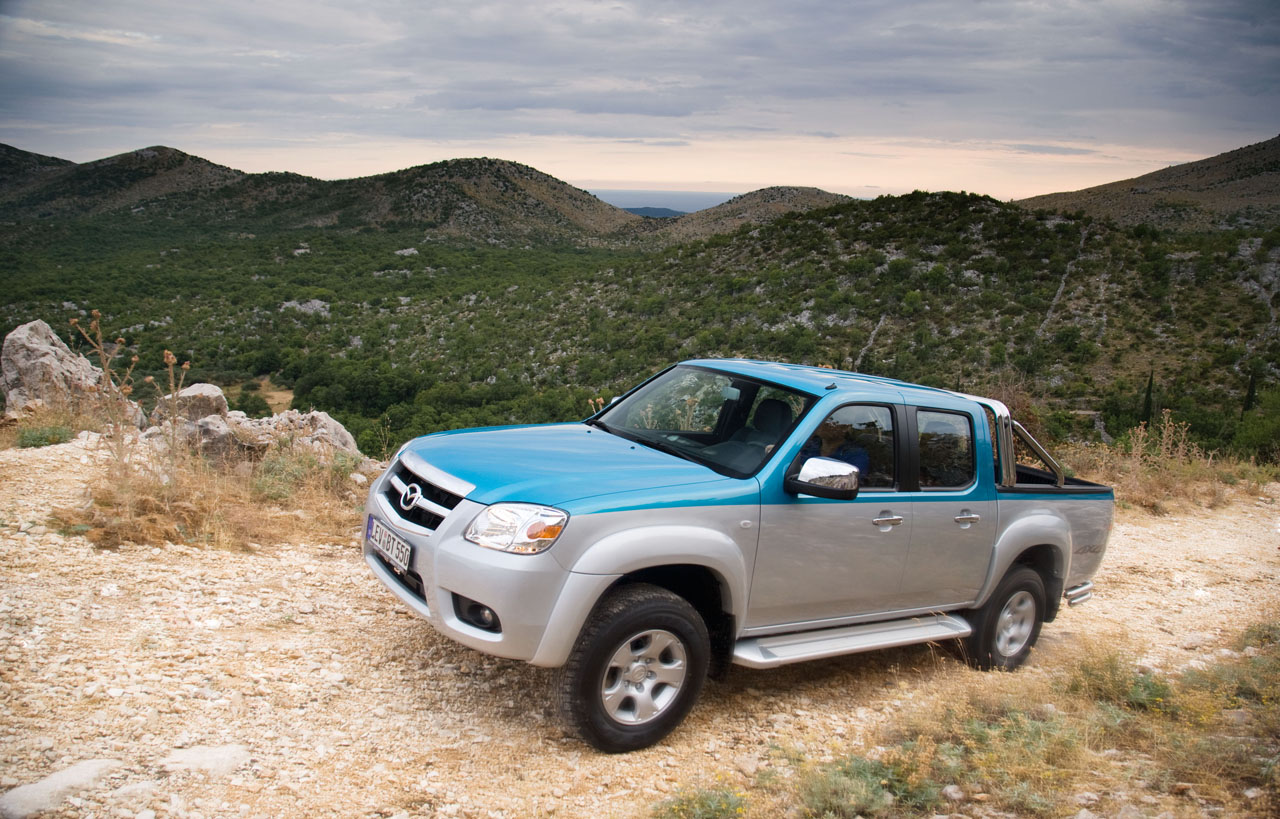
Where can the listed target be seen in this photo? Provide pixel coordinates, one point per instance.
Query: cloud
(1039, 77)
(1055, 150)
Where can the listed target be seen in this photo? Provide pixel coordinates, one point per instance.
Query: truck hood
(554, 464)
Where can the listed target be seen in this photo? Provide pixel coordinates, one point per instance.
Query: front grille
(434, 504)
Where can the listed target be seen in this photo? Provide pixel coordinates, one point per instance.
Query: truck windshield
(724, 421)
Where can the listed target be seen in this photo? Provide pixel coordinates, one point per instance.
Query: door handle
(890, 520)
(967, 517)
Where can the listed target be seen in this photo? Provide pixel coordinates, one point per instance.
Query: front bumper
(539, 604)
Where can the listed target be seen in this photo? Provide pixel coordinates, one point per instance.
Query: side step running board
(780, 649)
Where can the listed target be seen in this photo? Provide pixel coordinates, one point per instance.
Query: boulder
(234, 433)
(191, 403)
(315, 429)
(48, 793)
(37, 369)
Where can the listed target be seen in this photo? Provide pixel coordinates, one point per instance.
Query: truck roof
(818, 380)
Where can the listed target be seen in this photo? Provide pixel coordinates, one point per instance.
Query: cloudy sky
(1006, 97)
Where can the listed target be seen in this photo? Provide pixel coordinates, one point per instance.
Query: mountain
(489, 200)
(1234, 189)
(19, 169)
(656, 213)
(60, 188)
(755, 208)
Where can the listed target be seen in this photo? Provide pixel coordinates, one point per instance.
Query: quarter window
(946, 449)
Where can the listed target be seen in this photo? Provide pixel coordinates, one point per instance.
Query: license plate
(391, 546)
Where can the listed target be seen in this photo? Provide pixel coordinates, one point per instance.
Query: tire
(637, 669)
(1006, 628)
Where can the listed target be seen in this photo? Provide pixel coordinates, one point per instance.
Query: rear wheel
(1006, 628)
(637, 669)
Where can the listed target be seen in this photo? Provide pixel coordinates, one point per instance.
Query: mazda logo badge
(410, 496)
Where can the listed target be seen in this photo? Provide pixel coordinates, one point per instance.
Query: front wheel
(637, 669)
(1006, 628)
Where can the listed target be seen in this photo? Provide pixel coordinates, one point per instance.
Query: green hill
(501, 295)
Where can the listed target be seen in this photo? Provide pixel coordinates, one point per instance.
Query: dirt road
(287, 683)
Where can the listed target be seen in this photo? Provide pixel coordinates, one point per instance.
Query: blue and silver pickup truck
(729, 511)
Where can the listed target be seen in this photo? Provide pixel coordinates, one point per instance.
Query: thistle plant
(114, 387)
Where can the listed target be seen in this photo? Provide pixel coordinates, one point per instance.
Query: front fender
(599, 566)
(649, 546)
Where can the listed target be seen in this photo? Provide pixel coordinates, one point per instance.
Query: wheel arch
(1041, 541)
(704, 589)
(703, 566)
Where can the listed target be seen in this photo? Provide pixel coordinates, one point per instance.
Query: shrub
(702, 803)
(43, 436)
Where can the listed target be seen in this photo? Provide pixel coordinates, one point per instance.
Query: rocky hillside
(1239, 188)
(755, 208)
(55, 188)
(493, 201)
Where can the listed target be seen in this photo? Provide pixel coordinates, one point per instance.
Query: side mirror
(824, 478)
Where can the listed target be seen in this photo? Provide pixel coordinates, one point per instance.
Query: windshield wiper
(663, 446)
(596, 422)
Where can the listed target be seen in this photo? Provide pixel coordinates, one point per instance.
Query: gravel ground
(287, 682)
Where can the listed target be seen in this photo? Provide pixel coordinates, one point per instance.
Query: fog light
(483, 616)
(476, 614)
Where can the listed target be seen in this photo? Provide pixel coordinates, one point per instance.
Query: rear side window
(946, 449)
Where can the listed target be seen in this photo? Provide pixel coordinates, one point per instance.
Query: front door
(823, 560)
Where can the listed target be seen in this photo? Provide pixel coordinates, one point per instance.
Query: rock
(48, 793)
(214, 436)
(1237, 716)
(953, 793)
(315, 429)
(1085, 813)
(215, 760)
(1254, 793)
(192, 403)
(1086, 798)
(38, 369)
(747, 764)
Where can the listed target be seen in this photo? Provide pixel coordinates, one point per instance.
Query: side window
(946, 449)
(859, 434)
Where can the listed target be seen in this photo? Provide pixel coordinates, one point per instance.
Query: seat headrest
(772, 416)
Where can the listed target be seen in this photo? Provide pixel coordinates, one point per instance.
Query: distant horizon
(680, 200)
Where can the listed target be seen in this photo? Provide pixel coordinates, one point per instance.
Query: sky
(1010, 98)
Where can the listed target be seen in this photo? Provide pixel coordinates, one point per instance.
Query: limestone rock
(38, 369)
(48, 793)
(215, 760)
(192, 403)
(314, 429)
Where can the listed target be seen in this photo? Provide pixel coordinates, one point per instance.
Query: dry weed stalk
(113, 391)
(1151, 466)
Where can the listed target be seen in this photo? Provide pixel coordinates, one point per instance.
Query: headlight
(517, 527)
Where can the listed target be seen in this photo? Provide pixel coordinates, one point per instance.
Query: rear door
(954, 524)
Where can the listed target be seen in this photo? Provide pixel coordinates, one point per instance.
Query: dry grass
(292, 493)
(40, 426)
(164, 490)
(1156, 467)
(1101, 732)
